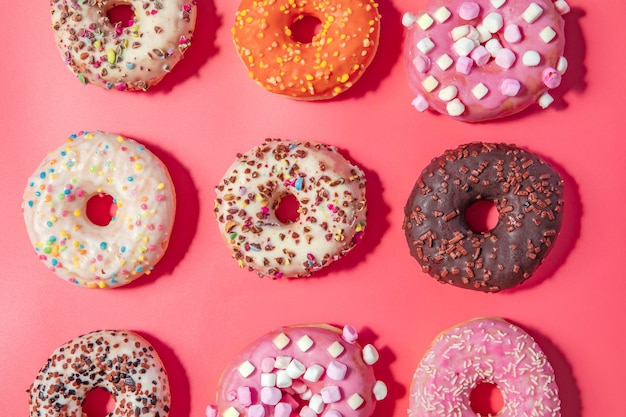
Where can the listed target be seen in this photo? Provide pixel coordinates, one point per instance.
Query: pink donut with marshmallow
(484, 59)
(309, 371)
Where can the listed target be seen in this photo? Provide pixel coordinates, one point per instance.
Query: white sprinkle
(231, 412)
(305, 343)
(424, 21)
(246, 369)
(268, 380)
(444, 62)
(370, 354)
(455, 107)
(497, 3)
(281, 341)
(355, 401)
(547, 34)
(313, 373)
(380, 390)
(420, 103)
(463, 46)
(430, 83)
(408, 19)
(425, 45)
(442, 14)
(532, 13)
(448, 93)
(545, 100)
(531, 58)
(562, 65)
(335, 349)
(480, 90)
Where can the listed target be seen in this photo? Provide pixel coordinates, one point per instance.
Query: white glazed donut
(484, 350)
(55, 202)
(121, 362)
(330, 192)
(125, 58)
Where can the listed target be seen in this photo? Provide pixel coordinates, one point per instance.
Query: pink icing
(493, 104)
(484, 350)
(320, 380)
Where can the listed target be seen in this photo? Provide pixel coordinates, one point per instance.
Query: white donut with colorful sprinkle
(332, 208)
(132, 55)
(120, 362)
(484, 350)
(55, 210)
(308, 371)
(484, 59)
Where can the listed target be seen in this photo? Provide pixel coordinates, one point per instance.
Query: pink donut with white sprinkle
(484, 59)
(484, 350)
(309, 371)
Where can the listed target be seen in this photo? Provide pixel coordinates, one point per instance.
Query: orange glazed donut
(331, 63)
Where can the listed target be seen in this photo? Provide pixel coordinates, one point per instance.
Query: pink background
(198, 308)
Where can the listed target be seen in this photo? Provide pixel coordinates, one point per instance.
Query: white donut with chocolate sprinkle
(332, 209)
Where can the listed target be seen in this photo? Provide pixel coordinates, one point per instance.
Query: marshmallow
(271, 395)
(230, 412)
(283, 380)
(445, 94)
(547, 34)
(355, 401)
(442, 14)
(464, 64)
(463, 46)
(370, 354)
(424, 21)
(497, 3)
(562, 65)
(483, 34)
(246, 369)
(408, 19)
(336, 370)
(512, 33)
(349, 333)
(493, 22)
(480, 56)
(316, 403)
(304, 343)
(545, 100)
(306, 411)
(505, 58)
(313, 373)
(306, 395)
(532, 13)
(332, 413)
(330, 394)
(444, 62)
(531, 58)
(380, 390)
(211, 411)
(480, 90)
(562, 7)
(282, 410)
(295, 369)
(256, 410)
(455, 107)
(421, 64)
(493, 46)
(430, 83)
(425, 45)
(268, 380)
(469, 10)
(459, 32)
(281, 341)
(335, 349)
(267, 364)
(244, 396)
(421, 105)
(551, 78)
(282, 362)
(510, 87)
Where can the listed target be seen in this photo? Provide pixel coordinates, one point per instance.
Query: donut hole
(101, 209)
(288, 209)
(98, 403)
(482, 216)
(304, 28)
(121, 15)
(486, 399)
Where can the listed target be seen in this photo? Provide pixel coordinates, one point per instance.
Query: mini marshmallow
(497, 3)
(562, 65)
(493, 22)
(316, 403)
(463, 46)
(268, 380)
(313, 373)
(493, 46)
(336, 370)
(464, 64)
(505, 58)
(332, 413)
(349, 333)
(421, 64)
(283, 380)
(545, 100)
(244, 396)
(425, 45)
(510, 87)
(230, 412)
(547, 34)
(480, 90)
(256, 410)
(480, 56)
(246, 369)
(474, 35)
(299, 387)
(211, 411)
(380, 390)
(532, 13)
(531, 58)
(271, 395)
(282, 362)
(282, 410)
(483, 34)
(370, 354)
(424, 21)
(455, 107)
(551, 78)
(430, 83)
(330, 394)
(444, 62)
(469, 10)
(421, 105)
(408, 19)
(442, 14)
(267, 364)
(304, 343)
(306, 395)
(355, 401)
(459, 32)
(306, 411)
(562, 7)
(335, 349)
(512, 33)
(295, 369)
(445, 94)
(281, 341)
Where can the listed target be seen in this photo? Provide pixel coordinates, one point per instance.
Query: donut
(484, 350)
(484, 59)
(332, 207)
(118, 361)
(55, 210)
(306, 370)
(527, 193)
(328, 65)
(118, 56)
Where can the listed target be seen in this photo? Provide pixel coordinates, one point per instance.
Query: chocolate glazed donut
(527, 193)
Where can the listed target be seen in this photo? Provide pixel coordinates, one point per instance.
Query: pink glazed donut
(484, 350)
(309, 370)
(485, 59)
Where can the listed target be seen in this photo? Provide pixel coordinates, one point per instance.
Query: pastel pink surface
(198, 308)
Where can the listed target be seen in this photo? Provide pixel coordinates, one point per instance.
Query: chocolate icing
(528, 195)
